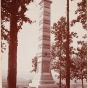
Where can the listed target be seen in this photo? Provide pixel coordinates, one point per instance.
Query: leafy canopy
(82, 14)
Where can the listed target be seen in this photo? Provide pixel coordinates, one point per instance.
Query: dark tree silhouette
(79, 69)
(82, 14)
(59, 49)
(13, 11)
(60, 31)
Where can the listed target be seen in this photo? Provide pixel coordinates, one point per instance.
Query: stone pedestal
(43, 77)
(43, 81)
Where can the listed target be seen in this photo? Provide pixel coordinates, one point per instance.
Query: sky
(28, 36)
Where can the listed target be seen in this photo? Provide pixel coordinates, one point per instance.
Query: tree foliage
(7, 8)
(10, 6)
(59, 49)
(82, 14)
(79, 70)
(34, 64)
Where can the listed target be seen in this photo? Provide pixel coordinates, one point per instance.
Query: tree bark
(82, 80)
(12, 55)
(67, 55)
(60, 74)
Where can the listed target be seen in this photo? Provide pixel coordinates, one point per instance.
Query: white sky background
(28, 36)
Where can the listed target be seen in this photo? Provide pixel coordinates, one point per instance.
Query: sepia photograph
(43, 44)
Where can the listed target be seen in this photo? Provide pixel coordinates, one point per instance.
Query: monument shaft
(44, 36)
(43, 77)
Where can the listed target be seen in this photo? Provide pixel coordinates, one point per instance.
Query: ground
(23, 83)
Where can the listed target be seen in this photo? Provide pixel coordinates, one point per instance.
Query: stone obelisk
(43, 77)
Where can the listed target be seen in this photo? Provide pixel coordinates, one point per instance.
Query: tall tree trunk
(12, 56)
(60, 74)
(67, 55)
(82, 80)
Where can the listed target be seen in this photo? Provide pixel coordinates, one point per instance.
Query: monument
(43, 77)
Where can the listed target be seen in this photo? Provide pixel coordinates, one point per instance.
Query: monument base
(43, 80)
